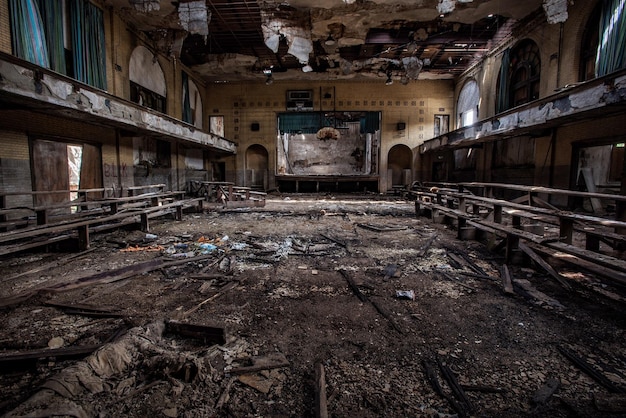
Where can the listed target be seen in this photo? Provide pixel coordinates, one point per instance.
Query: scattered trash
(238, 246)
(405, 294)
(151, 237)
(206, 248)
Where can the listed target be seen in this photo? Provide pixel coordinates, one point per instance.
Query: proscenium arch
(144, 70)
(399, 159)
(257, 166)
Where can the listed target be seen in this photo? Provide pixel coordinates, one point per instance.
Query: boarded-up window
(514, 152)
(465, 159)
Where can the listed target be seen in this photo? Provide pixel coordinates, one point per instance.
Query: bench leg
(566, 230)
(145, 226)
(512, 244)
(179, 213)
(83, 237)
(592, 242)
(42, 217)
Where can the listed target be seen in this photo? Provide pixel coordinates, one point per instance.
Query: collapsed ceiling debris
(226, 40)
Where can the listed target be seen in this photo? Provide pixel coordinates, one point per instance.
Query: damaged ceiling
(395, 40)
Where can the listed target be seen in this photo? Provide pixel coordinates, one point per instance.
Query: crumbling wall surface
(309, 155)
(556, 10)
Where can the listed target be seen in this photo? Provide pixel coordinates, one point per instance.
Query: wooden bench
(519, 222)
(121, 211)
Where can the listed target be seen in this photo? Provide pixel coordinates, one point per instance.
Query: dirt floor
(404, 320)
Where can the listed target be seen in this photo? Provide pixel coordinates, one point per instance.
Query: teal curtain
(88, 43)
(303, 122)
(502, 101)
(610, 55)
(51, 15)
(370, 123)
(28, 37)
(187, 116)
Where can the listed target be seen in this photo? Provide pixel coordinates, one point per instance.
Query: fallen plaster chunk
(446, 6)
(194, 17)
(146, 6)
(556, 10)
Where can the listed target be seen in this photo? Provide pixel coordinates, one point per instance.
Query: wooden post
(83, 237)
(497, 214)
(566, 230)
(42, 216)
(179, 212)
(145, 226)
(512, 244)
(321, 406)
(592, 242)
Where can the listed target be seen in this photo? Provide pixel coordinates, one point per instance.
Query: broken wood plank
(321, 407)
(422, 252)
(268, 362)
(58, 353)
(382, 228)
(477, 276)
(590, 370)
(80, 307)
(457, 280)
(363, 298)
(58, 262)
(431, 375)
(386, 314)
(335, 240)
(456, 388)
(537, 259)
(539, 296)
(225, 289)
(353, 286)
(225, 396)
(207, 334)
(91, 314)
(507, 285)
(456, 261)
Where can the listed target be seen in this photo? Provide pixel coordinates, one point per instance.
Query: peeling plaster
(587, 98)
(19, 81)
(556, 10)
(446, 6)
(146, 6)
(194, 17)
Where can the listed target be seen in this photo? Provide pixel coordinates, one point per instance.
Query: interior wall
(414, 104)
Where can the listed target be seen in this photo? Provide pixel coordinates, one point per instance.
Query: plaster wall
(5, 34)
(414, 104)
(559, 46)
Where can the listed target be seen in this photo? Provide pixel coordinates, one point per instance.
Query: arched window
(467, 105)
(589, 48)
(525, 73)
(147, 81)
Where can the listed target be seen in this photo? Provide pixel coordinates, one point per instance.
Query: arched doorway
(257, 165)
(399, 161)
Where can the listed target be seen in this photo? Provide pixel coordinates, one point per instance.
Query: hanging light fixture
(268, 73)
(389, 80)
